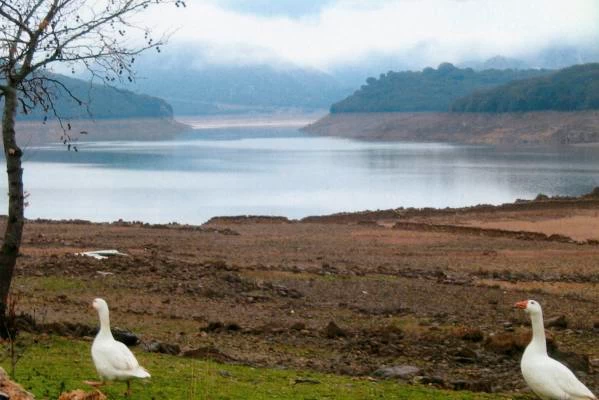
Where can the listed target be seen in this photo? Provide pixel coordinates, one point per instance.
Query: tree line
(427, 90)
(570, 89)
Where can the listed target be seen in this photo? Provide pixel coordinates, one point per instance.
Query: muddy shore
(539, 128)
(32, 133)
(347, 293)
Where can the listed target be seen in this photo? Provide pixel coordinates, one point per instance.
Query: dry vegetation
(428, 288)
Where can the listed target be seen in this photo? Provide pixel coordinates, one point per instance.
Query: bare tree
(103, 36)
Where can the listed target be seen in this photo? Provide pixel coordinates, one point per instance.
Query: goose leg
(128, 388)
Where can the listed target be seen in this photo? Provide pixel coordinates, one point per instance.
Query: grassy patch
(54, 283)
(54, 364)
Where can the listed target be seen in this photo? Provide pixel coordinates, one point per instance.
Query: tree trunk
(16, 218)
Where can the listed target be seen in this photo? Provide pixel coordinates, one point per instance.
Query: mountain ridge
(427, 90)
(100, 101)
(574, 88)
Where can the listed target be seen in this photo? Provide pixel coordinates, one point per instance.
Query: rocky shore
(544, 128)
(31, 133)
(422, 296)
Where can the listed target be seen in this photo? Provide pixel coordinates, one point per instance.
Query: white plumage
(548, 378)
(113, 360)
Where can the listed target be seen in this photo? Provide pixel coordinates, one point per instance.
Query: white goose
(113, 360)
(548, 378)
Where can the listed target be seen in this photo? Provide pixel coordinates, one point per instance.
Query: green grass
(54, 283)
(54, 364)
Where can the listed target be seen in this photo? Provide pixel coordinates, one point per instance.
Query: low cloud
(328, 34)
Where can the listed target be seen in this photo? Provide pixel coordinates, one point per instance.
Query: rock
(399, 371)
(469, 333)
(208, 352)
(164, 348)
(270, 328)
(511, 343)
(311, 381)
(430, 380)
(127, 337)
(224, 373)
(214, 326)
(334, 331)
(503, 343)
(459, 385)
(81, 395)
(465, 356)
(233, 327)
(388, 334)
(12, 390)
(560, 322)
(298, 326)
(482, 385)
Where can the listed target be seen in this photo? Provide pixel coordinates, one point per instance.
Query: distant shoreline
(31, 133)
(539, 128)
(251, 120)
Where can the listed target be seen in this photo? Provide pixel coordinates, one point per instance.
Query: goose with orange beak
(113, 360)
(548, 378)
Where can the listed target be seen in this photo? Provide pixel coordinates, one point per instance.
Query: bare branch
(11, 18)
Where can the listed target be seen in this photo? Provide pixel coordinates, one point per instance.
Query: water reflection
(282, 171)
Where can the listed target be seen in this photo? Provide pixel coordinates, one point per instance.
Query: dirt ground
(347, 293)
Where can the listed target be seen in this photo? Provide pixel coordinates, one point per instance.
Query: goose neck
(104, 323)
(538, 342)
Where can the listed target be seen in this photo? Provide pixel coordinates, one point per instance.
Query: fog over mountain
(193, 86)
(233, 55)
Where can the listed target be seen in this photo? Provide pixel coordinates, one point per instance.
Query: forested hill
(427, 90)
(102, 101)
(571, 89)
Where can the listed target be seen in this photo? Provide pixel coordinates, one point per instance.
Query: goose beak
(521, 304)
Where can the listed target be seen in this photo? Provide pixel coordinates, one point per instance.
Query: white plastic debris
(101, 254)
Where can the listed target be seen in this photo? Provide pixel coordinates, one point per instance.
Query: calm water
(281, 171)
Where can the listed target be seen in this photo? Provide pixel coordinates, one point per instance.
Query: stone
(482, 385)
(397, 372)
(465, 356)
(208, 353)
(310, 381)
(233, 327)
(298, 326)
(469, 334)
(334, 331)
(560, 322)
(512, 343)
(163, 348)
(124, 336)
(430, 380)
(214, 326)
(81, 395)
(12, 390)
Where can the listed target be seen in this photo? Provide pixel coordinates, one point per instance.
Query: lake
(275, 169)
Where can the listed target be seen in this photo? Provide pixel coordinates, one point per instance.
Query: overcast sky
(327, 33)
